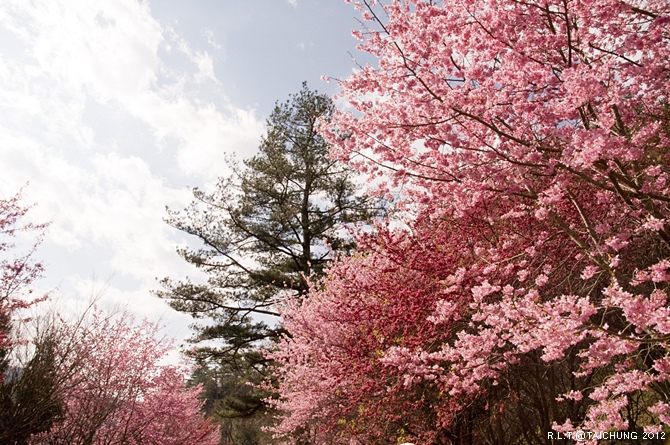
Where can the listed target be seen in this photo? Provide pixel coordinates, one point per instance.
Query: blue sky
(111, 109)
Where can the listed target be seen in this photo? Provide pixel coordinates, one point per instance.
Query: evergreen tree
(30, 399)
(264, 231)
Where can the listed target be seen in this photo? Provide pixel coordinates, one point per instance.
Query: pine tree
(264, 231)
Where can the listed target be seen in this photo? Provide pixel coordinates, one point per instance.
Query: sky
(110, 110)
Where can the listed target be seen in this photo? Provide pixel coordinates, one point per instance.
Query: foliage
(30, 399)
(96, 381)
(264, 232)
(235, 401)
(28, 402)
(116, 391)
(266, 229)
(528, 290)
(18, 270)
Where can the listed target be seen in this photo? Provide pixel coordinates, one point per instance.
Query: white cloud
(293, 3)
(108, 48)
(305, 45)
(79, 81)
(211, 39)
(109, 52)
(202, 61)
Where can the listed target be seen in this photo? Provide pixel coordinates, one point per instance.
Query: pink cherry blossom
(531, 145)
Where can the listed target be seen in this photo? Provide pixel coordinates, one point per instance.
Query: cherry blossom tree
(28, 403)
(98, 380)
(18, 270)
(116, 391)
(370, 303)
(530, 141)
(361, 357)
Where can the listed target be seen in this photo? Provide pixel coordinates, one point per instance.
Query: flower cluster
(528, 289)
